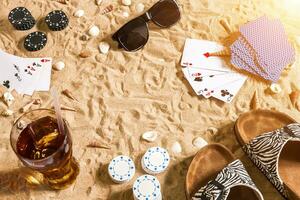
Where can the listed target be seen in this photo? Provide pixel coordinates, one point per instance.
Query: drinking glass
(40, 146)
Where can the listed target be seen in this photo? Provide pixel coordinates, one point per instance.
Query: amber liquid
(41, 147)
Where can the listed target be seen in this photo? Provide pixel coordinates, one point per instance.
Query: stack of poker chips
(35, 41)
(121, 169)
(57, 20)
(21, 18)
(147, 187)
(155, 160)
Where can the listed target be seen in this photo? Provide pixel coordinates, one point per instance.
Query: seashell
(126, 2)
(107, 9)
(253, 102)
(28, 106)
(98, 145)
(67, 108)
(125, 14)
(104, 47)
(94, 31)
(21, 125)
(212, 130)
(98, 2)
(176, 148)
(150, 136)
(275, 88)
(59, 66)
(140, 7)
(199, 142)
(7, 113)
(8, 98)
(85, 54)
(62, 1)
(69, 94)
(294, 96)
(84, 37)
(79, 13)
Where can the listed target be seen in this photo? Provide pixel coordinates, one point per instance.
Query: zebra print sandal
(272, 141)
(219, 177)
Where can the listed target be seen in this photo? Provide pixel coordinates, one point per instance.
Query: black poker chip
(35, 41)
(21, 18)
(57, 20)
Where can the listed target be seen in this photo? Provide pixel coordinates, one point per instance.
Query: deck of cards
(209, 76)
(262, 49)
(25, 75)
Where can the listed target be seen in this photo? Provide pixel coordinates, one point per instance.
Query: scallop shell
(8, 98)
(275, 88)
(79, 13)
(59, 66)
(126, 2)
(139, 7)
(107, 9)
(104, 47)
(150, 136)
(94, 31)
(199, 142)
(176, 148)
(7, 113)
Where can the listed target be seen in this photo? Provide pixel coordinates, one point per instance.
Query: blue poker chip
(121, 169)
(147, 187)
(156, 160)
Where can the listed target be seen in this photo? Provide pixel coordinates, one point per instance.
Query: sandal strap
(233, 175)
(265, 149)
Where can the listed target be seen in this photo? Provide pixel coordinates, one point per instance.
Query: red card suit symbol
(206, 55)
(45, 60)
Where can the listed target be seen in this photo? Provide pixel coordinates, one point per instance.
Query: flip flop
(215, 174)
(271, 139)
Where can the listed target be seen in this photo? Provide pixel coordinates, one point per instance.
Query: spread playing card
(207, 75)
(25, 75)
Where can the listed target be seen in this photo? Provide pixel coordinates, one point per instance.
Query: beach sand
(122, 95)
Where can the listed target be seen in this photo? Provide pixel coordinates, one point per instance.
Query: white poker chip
(146, 187)
(121, 169)
(155, 160)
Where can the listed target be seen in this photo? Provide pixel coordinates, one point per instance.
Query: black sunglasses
(135, 34)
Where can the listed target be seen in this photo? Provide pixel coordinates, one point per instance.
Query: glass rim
(15, 124)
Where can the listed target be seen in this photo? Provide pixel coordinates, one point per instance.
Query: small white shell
(59, 66)
(125, 14)
(79, 13)
(126, 2)
(139, 7)
(98, 2)
(7, 113)
(275, 88)
(176, 148)
(8, 98)
(104, 47)
(199, 142)
(94, 31)
(150, 136)
(21, 125)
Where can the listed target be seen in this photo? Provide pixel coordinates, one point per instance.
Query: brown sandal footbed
(257, 122)
(206, 165)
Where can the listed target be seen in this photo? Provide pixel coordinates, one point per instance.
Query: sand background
(121, 95)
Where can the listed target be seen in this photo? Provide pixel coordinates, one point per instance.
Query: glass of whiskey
(40, 146)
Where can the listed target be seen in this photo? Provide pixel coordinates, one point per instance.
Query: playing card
(227, 92)
(270, 44)
(35, 73)
(193, 55)
(207, 84)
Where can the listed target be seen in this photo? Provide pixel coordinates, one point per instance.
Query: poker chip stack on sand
(121, 169)
(147, 187)
(155, 160)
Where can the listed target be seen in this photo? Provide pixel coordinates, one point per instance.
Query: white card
(193, 55)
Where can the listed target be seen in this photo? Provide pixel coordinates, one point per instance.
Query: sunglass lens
(165, 13)
(133, 35)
